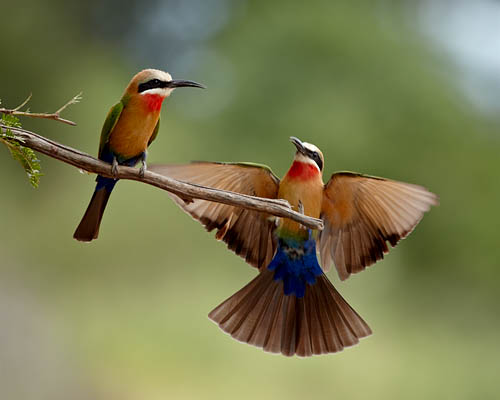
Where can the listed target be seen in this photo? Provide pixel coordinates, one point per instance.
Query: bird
(291, 307)
(130, 127)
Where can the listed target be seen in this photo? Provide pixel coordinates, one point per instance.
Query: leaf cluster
(24, 155)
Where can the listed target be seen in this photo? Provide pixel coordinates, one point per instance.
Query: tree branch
(277, 207)
(55, 115)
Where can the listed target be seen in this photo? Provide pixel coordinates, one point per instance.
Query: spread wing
(247, 233)
(363, 213)
(109, 124)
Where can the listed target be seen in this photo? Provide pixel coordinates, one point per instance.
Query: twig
(22, 104)
(55, 116)
(84, 161)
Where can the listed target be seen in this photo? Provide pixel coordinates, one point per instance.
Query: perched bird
(130, 127)
(291, 307)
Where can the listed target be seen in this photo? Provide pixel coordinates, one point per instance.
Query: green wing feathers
(155, 133)
(109, 124)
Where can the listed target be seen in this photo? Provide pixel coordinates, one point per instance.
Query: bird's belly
(131, 136)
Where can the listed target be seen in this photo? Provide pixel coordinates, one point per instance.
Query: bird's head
(156, 82)
(308, 153)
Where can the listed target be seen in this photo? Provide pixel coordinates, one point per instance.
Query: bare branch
(55, 116)
(23, 103)
(74, 100)
(187, 191)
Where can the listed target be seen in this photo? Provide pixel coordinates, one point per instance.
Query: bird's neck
(145, 103)
(153, 101)
(303, 171)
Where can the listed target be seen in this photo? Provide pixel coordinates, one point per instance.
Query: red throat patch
(303, 171)
(153, 101)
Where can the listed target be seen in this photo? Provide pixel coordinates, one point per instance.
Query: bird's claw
(273, 220)
(300, 209)
(143, 169)
(186, 200)
(114, 167)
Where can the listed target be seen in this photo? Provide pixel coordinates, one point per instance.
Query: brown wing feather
(247, 233)
(363, 213)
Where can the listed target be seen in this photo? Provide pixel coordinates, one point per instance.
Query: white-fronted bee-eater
(130, 127)
(291, 307)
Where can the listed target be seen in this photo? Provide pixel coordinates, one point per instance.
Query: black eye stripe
(151, 84)
(318, 161)
(316, 158)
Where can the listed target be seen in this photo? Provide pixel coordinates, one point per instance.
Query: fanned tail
(262, 315)
(88, 229)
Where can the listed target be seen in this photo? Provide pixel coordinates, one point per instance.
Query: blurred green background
(376, 85)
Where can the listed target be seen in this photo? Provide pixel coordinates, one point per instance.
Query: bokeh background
(403, 89)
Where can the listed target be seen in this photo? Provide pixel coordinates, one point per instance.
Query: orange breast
(308, 191)
(135, 127)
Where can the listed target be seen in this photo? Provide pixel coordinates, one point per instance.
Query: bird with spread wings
(291, 307)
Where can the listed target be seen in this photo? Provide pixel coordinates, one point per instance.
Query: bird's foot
(114, 167)
(300, 209)
(186, 200)
(143, 169)
(274, 220)
(144, 166)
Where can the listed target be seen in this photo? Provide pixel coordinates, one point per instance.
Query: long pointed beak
(182, 83)
(298, 144)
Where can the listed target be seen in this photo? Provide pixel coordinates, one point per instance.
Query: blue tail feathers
(296, 264)
(105, 183)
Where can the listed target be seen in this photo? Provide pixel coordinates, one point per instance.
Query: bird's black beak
(298, 144)
(181, 83)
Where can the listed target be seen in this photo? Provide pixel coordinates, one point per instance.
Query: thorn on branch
(23, 103)
(74, 100)
(54, 116)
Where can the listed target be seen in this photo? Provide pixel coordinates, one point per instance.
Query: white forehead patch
(166, 76)
(158, 74)
(310, 146)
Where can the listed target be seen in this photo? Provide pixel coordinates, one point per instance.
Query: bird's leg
(114, 167)
(144, 166)
(301, 207)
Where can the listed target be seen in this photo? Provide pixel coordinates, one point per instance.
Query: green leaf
(26, 157)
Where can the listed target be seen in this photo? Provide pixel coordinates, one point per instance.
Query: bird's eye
(317, 160)
(151, 84)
